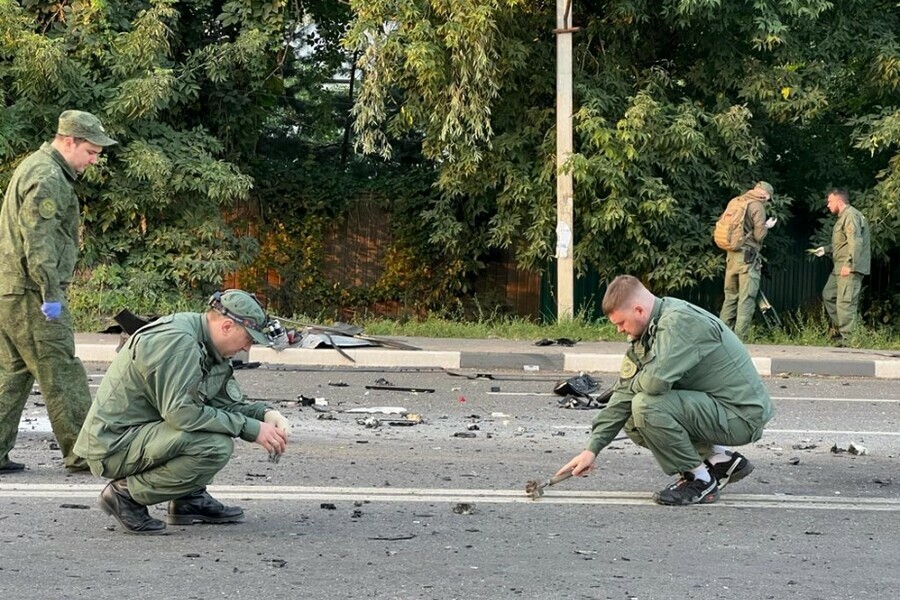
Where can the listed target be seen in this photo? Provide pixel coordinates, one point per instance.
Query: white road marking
(301, 493)
(832, 432)
(811, 399)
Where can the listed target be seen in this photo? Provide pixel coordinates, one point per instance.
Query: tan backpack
(729, 233)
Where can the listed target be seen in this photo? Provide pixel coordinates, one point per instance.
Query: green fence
(796, 284)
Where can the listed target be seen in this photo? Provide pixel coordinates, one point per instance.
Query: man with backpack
(740, 232)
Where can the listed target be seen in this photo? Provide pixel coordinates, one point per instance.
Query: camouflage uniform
(39, 222)
(851, 247)
(743, 267)
(166, 412)
(688, 383)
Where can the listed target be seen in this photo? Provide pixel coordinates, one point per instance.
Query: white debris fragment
(857, 449)
(379, 410)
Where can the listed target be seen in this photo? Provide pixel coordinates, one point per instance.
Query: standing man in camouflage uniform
(743, 267)
(686, 388)
(851, 253)
(38, 249)
(163, 421)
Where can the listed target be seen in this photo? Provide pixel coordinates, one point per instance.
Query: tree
(184, 87)
(681, 104)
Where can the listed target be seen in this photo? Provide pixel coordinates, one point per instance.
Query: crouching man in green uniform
(687, 389)
(164, 418)
(39, 222)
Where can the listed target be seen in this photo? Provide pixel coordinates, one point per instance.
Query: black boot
(115, 500)
(12, 467)
(202, 507)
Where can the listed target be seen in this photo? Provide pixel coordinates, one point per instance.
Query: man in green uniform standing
(39, 222)
(743, 266)
(686, 389)
(165, 415)
(851, 253)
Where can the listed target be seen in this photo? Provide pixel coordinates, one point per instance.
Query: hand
(845, 271)
(770, 222)
(273, 417)
(820, 251)
(51, 310)
(272, 439)
(580, 465)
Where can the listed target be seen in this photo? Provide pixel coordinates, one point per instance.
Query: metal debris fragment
(464, 508)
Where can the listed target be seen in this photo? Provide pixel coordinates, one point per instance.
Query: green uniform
(166, 412)
(38, 249)
(688, 383)
(743, 268)
(850, 247)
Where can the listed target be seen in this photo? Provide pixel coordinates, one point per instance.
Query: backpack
(729, 233)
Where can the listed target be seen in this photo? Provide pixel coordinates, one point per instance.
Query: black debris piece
(396, 388)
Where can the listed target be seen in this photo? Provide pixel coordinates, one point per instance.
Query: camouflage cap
(80, 124)
(245, 310)
(766, 187)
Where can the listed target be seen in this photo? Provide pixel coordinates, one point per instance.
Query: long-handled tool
(535, 488)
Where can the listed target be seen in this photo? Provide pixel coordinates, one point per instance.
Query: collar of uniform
(48, 148)
(650, 331)
(211, 350)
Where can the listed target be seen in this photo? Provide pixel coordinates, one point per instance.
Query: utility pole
(565, 265)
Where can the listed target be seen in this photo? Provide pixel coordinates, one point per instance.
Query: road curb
(519, 360)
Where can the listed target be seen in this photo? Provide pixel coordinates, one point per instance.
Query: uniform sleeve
(232, 399)
(609, 421)
(756, 213)
(39, 219)
(174, 386)
(855, 232)
(680, 344)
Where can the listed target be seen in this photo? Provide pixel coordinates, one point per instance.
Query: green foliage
(100, 295)
(183, 87)
(679, 106)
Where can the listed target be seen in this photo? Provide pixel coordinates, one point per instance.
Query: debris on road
(327, 506)
(377, 410)
(464, 508)
(465, 434)
(399, 388)
(855, 449)
(369, 422)
(580, 392)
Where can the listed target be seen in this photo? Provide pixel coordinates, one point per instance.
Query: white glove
(820, 251)
(770, 222)
(277, 419)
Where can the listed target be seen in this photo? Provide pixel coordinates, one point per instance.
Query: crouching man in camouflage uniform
(687, 388)
(164, 418)
(39, 222)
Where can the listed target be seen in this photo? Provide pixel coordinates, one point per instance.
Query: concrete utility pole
(565, 279)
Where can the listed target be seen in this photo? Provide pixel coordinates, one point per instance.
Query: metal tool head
(535, 488)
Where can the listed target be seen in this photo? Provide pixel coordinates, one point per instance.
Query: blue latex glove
(51, 310)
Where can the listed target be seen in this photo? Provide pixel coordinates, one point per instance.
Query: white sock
(720, 454)
(701, 473)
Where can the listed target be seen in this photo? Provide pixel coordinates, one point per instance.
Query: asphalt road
(354, 511)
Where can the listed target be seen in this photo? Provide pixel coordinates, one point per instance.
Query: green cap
(80, 124)
(245, 310)
(766, 187)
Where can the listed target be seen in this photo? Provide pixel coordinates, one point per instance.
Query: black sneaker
(731, 470)
(688, 490)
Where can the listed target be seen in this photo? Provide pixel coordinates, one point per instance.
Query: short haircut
(622, 289)
(841, 193)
